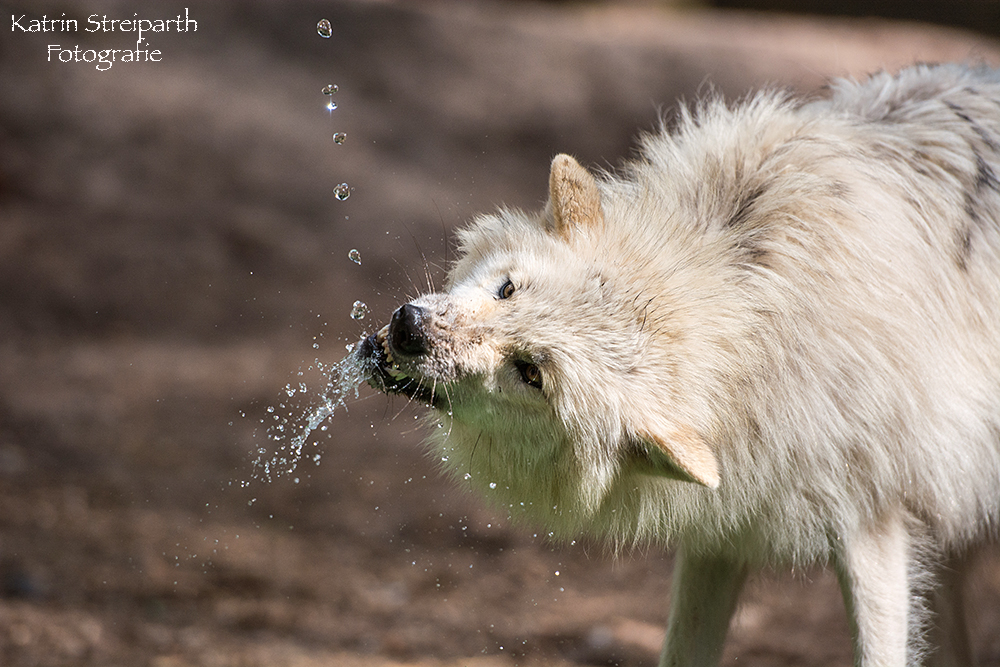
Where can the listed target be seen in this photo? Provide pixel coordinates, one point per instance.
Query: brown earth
(171, 256)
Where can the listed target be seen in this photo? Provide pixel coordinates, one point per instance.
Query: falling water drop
(324, 29)
(354, 256)
(359, 310)
(328, 90)
(342, 191)
(339, 137)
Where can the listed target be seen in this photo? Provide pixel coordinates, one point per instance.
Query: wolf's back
(835, 270)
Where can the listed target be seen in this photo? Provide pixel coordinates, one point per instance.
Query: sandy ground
(172, 259)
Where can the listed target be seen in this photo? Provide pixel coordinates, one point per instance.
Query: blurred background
(174, 264)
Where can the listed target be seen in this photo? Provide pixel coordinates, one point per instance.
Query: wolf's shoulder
(917, 151)
(916, 93)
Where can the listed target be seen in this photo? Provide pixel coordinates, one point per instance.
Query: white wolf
(774, 340)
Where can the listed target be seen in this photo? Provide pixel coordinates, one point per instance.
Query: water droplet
(324, 29)
(330, 89)
(339, 138)
(355, 256)
(342, 191)
(331, 105)
(493, 485)
(359, 310)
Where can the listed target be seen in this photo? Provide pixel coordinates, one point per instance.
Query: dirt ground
(173, 263)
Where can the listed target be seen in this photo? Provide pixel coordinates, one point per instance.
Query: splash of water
(290, 434)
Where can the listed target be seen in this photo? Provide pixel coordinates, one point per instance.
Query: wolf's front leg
(872, 567)
(703, 598)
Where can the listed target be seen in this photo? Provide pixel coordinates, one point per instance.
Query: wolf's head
(552, 360)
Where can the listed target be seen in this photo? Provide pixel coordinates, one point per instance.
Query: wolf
(771, 340)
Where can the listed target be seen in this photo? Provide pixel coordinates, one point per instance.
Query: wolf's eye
(530, 373)
(507, 290)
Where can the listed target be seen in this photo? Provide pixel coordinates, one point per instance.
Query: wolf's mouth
(383, 374)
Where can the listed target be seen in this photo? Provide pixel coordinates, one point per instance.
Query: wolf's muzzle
(406, 331)
(402, 338)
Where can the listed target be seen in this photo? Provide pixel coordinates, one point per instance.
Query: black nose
(406, 330)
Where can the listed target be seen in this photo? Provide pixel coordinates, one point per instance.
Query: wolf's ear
(574, 200)
(679, 452)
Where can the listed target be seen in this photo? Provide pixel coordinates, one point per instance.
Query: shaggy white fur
(774, 340)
